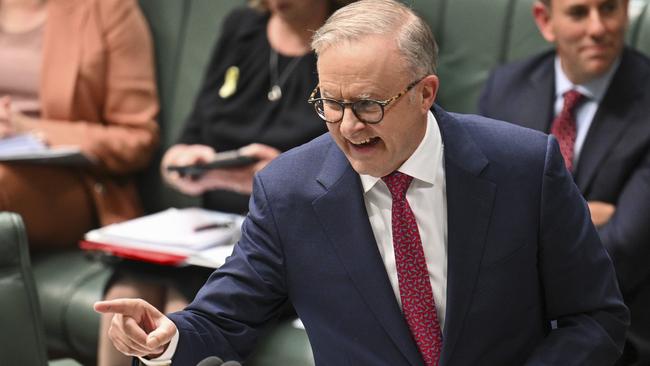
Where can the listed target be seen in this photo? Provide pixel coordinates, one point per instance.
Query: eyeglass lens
(365, 110)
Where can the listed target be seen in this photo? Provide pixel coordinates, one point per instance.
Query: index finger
(129, 307)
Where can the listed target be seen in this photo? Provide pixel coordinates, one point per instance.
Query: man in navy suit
(611, 151)
(404, 236)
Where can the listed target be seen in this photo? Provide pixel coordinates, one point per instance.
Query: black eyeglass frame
(382, 103)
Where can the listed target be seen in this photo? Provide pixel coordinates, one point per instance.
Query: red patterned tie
(564, 126)
(414, 286)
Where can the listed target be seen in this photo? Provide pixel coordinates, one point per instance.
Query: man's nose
(350, 124)
(596, 26)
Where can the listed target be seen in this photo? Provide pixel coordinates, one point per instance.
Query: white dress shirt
(428, 199)
(594, 91)
(166, 357)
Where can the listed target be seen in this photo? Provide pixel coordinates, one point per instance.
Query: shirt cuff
(166, 358)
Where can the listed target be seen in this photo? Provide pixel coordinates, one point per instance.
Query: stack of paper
(20, 144)
(174, 236)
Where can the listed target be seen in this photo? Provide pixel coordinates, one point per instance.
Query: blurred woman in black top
(253, 98)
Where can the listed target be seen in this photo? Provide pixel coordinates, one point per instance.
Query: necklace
(277, 78)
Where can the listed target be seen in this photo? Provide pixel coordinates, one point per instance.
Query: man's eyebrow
(356, 97)
(365, 95)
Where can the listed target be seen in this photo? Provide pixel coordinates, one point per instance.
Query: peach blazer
(98, 91)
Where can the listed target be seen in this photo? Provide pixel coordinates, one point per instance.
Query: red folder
(135, 254)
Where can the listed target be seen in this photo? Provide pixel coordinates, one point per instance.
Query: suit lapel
(342, 213)
(609, 123)
(469, 206)
(61, 58)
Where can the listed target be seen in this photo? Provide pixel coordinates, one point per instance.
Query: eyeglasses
(369, 111)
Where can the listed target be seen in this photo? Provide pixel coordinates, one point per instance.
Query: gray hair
(261, 5)
(382, 18)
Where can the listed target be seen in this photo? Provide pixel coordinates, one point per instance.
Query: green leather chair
(68, 284)
(22, 337)
(22, 340)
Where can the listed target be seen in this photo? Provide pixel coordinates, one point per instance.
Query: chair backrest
(184, 33)
(22, 338)
(639, 30)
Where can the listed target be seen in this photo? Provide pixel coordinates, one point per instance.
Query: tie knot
(397, 184)
(571, 100)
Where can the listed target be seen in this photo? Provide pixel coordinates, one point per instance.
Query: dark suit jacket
(614, 164)
(518, 257)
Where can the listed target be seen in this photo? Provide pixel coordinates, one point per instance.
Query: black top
(232, 120)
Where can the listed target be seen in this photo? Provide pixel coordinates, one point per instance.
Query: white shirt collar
(594, 89)
(421, 165)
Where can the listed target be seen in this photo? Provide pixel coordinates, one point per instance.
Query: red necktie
(415, 290)
(564, 126)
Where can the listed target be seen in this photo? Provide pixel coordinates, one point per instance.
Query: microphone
(216, 361)
(211, 361)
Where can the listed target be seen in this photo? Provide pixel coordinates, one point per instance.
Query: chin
(362, 168)
(373, 171)
(597, 68)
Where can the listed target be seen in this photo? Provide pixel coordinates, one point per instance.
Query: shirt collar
(594, 89)
(423, 163)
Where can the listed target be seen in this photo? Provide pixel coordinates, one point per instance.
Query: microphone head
(231, 363)
(211, 361)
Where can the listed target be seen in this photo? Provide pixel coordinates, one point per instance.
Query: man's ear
(429, 91)
(542, 15)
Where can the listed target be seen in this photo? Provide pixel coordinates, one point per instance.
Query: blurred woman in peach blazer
(76, 72)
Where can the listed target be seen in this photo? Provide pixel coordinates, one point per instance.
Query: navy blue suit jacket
(614, 165)
(521, 252)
